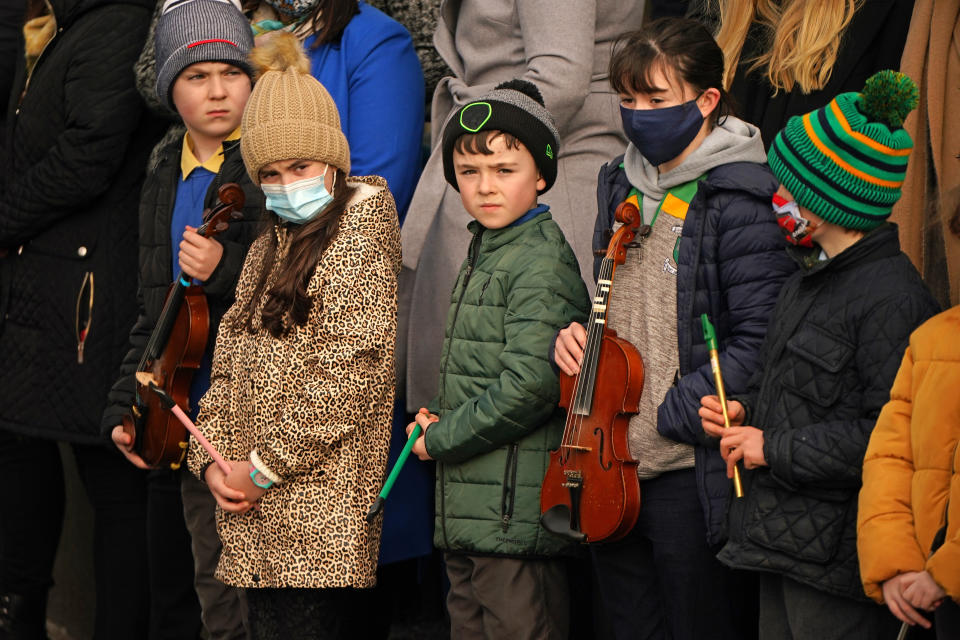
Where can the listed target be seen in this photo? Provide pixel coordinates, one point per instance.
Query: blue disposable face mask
(299, 201)
(662, 134)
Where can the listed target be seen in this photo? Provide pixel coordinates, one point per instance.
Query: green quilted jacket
(498, 394)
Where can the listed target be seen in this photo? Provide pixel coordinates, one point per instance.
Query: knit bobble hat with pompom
(514, 107)
(289, 114)
(846, 161)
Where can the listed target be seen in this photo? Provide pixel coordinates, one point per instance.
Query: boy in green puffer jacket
(498, 395)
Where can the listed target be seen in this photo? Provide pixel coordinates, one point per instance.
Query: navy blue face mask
(662, 134)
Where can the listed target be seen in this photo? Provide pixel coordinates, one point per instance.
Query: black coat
(157, 270)
(835, 343)
(78, 142)
(731, 265)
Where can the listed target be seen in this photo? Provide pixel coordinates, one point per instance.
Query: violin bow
(377, 505)
(147, 380)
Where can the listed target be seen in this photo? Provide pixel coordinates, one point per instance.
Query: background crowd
(96, 130)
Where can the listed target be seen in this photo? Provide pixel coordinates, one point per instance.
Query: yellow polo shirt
(189, 162)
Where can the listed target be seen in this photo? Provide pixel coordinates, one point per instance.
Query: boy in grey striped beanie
(191, 31)
(515, 107)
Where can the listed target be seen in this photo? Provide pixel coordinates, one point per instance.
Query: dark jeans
(662, 580)
(33, 518)
(308, 614)
(790, 610)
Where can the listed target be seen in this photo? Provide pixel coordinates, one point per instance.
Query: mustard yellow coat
(910, 472)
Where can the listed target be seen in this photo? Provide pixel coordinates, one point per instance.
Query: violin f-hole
(609, 465)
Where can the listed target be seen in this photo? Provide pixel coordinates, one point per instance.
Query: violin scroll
(231, 194)
(629, 215)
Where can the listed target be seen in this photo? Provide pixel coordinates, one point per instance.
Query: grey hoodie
(732, 141)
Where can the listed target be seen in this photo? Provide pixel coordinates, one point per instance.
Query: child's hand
(899, 606)
(924, 592)
(424, 418)
(124, 442)
(240, 480)
(228, 498)
(199, 256)
(568, 350)
(711, 415)
(742, 443)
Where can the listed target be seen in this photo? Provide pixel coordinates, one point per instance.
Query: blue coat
(731, 265)
(374, 77)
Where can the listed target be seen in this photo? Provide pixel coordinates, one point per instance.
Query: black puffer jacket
(156, 268)
(834, 345)
(78, 143)
(731, 265)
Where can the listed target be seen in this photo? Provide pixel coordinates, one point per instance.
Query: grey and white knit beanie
(514, 107)
(191, 31)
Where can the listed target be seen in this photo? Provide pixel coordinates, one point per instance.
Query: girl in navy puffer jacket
(713, 246)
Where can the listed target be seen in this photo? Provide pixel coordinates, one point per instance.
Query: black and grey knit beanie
(514, 107)
(191, 31)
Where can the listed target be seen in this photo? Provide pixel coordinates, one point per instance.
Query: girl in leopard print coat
(303, 373)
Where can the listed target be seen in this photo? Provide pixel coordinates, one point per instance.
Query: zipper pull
(506, 522)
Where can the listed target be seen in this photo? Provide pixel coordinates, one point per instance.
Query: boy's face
(210, 97)
(497, 189)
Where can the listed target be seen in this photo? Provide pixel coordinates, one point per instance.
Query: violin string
(588, 373)
(595, 334)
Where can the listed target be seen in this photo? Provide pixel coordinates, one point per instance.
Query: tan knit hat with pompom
(289, 114)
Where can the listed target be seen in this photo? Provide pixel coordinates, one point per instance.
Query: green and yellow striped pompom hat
(846, 161)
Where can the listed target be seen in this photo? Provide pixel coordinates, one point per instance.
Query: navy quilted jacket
(835, 343)
(731, 266)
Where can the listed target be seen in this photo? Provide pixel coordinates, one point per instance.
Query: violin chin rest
(557, 520)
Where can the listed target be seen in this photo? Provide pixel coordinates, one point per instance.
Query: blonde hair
(801, 43)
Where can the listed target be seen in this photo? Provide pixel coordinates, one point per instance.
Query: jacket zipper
(84, 314)
(509, 497)
(471, 261)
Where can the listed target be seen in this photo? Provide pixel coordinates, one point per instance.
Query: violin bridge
(577, 447)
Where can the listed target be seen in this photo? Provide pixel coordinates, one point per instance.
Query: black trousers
(310, 614)
(174, 605)
(143, 567)
(662, 581)
(790, 610)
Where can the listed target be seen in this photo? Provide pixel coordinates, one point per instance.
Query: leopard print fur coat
(316, 404)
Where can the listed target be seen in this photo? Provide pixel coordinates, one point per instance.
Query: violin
(174, 351)
(590, 491)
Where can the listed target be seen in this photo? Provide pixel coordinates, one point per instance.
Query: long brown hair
(287, 303)
(801, 38)
(329, 18)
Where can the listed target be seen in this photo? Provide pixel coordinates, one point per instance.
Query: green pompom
(888, 96)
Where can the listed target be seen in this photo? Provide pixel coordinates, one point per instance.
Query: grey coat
(564, 49)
